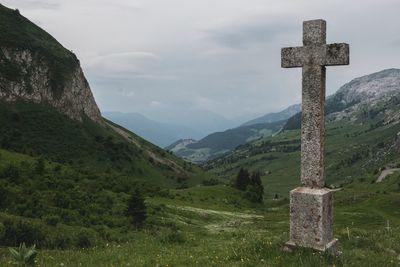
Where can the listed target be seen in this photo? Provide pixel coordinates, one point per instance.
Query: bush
(2, 231)
(86, 238)
(18, 231)
(11, 173)
(210, 182)
(52, 220)
(173, 237)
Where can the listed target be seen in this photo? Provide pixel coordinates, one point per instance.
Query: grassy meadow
(367, 223)
(216, 226)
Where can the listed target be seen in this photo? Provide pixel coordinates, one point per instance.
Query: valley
(87, 191)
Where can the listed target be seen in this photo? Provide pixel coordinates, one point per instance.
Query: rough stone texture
(76, 98)
(311, 218)
(313, 57)
(311, 206)
(313, 130)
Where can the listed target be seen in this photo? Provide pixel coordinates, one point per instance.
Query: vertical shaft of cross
(311, 205)
(312, 126)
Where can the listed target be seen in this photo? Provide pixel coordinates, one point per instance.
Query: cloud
(222, 56)
(244, 33)
(33, 4)
(155, 104)
(122, 64)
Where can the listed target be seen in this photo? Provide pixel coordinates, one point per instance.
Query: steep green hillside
(39, 130)
(352, 150)
(64, 183)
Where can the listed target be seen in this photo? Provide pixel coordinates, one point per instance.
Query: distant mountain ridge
(161, 134)
(371, 97)
(277, 116)
(220, 143)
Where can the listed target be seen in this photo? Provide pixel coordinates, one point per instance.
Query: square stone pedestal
(311, 219)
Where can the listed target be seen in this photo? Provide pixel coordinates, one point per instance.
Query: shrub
(86, 238)
(210, 182)
(18, 231)
(2, 231)
(52, 220)
(173, 237)
(11, 173)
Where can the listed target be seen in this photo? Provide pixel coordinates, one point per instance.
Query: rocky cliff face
(370, 87)
(32, 82)
(374, 96)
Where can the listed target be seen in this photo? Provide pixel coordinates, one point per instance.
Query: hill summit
(35, 67)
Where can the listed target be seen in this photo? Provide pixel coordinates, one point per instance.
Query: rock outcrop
(32, 82)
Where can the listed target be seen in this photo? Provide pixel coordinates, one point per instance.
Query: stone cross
(311, 204)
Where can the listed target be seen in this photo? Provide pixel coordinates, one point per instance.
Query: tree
(136, 210)
(251, 184)
(255, 188)
(242, 179)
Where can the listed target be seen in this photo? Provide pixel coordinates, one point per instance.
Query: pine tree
(136, 210)
(242, 179)
(255, 188)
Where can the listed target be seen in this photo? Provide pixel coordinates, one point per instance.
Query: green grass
(186, 237)
(200, 225)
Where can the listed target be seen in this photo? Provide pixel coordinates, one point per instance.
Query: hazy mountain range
(161, 134)
(193, 125)
(366, 98)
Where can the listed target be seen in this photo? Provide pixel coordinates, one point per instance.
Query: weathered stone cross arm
(322, 55)
(315, 51)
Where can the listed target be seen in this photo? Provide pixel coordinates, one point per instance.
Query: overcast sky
(179, 56)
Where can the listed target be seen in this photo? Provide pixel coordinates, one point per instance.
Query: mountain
(36, 68)
(48, 108)
(220, 143)
(362, 136)
(373, 97)
(161, 134)
(72, 186)
(200, 121)
(66, 173)
(278, 116)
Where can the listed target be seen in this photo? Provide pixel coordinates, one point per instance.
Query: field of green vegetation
(216, 226)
